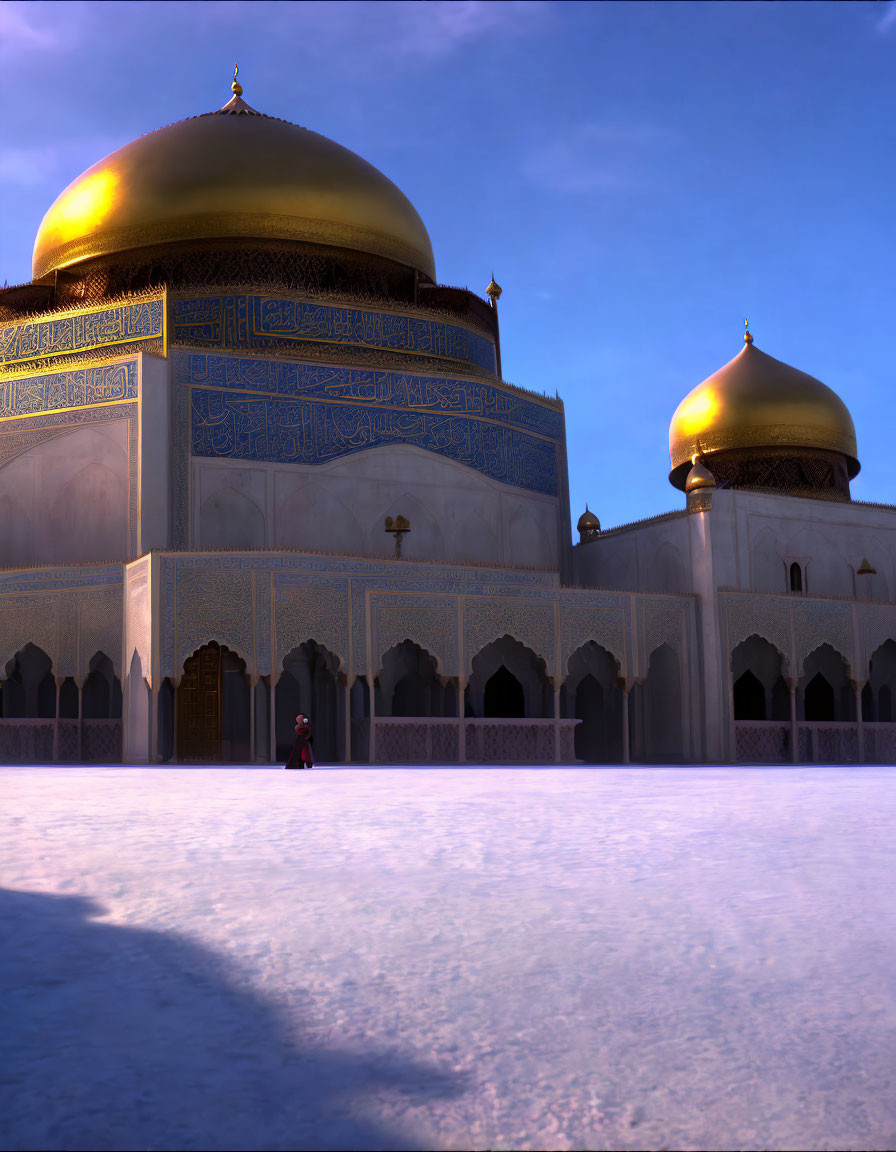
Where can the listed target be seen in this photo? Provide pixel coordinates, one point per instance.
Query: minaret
(494, 294)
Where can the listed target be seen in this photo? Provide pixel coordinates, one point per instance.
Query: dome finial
(493, 291)
(236, 88)
(748, 339)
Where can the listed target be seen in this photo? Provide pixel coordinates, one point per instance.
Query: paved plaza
(504, 958)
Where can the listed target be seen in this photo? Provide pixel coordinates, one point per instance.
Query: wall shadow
(124, 1038)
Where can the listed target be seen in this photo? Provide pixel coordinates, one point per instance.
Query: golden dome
(587, 521)
(699, 477)
(232, 173)
(758, 402)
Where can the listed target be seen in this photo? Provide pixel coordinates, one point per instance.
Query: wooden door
(199, 706)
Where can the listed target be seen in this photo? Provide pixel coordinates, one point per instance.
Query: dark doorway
(199, 706)
(749, 697)
(819, 699)
(504, 696)
(590, 736)
(213, 706)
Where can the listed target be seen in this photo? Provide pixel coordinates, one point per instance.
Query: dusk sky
(639, 178)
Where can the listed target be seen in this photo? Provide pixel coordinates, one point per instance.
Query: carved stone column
(626, 685)
(154, 723)
(461, 727)
(371, 747)
(59, 680)
(272, 719)
(857, 687)
(175, 680)
(558, 684)
(253, 687)
(347, 682)
(791, 683)
(79, 683)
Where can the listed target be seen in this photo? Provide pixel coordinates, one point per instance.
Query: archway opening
(592, 695)
(309, 684)
(29, 691)
(877, 695)
(819, 699)
(101, 698)
(213, 706)
(504, 696)
(749, 697)
(408, 683)
(660, 699)
(825, 691)
(521, 690)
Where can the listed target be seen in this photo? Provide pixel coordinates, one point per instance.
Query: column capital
(60, 680)
(858, 685)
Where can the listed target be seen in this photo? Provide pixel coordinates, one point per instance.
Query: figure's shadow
(114, 1037)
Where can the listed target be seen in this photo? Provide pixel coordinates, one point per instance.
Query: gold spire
(236, 88)
(748, 339)
(493, 291)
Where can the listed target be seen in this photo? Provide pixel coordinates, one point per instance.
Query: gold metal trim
(247, 225)
(708, 441)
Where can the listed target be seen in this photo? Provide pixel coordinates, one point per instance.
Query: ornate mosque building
(254, 459)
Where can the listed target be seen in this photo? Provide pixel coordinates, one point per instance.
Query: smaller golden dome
(699, 477)
(588, 521)
(756, 402)
(493, 291)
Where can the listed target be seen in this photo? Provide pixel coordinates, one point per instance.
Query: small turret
(588, 526)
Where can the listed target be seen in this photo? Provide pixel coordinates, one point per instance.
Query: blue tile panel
(76, 388)
(436, 394)
(255, 322)
(296, 413)
(94, 328)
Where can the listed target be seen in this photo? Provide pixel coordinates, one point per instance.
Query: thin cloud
(19, 33)
(422, 29)
(888, 20)
(29, 29)
(593, 157)
(27, 166)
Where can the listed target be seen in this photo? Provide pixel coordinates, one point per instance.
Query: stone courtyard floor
(657, 958)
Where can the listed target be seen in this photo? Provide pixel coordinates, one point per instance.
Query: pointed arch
(231, 519)
(523, 664)
(312, 516)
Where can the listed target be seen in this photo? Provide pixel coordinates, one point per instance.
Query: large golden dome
(232, 173)
(758, 403)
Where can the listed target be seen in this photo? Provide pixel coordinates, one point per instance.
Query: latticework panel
(102, 741)
(762, 743)
(26, 741)
(880, 743)
(491, 741)
(68, 749)
(824, 743)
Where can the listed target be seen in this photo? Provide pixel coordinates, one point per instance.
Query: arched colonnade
(507, 709)
(47, 717)
(825, 714)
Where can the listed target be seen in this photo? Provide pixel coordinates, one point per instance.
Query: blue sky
(639, 177)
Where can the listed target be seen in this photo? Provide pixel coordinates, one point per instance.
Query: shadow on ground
(121, 1038)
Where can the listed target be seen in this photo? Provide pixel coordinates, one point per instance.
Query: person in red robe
(301, 755)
